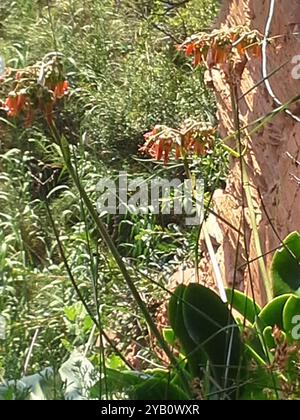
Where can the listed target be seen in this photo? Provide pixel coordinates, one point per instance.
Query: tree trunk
(272, 153)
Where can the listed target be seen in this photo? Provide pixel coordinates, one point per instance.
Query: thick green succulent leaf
(243, 304)
(211, 326)
(291, 318)
(158, 389)
(272, 313)
(195, 356)
(285, 269)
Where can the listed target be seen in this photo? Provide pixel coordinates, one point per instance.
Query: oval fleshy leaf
(291, 318)
(195, 357)
(214, 330)
(243, 304)
(272, 313)
(285, 269)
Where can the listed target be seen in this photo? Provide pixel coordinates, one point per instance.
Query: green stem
(245, 181)
(256, 238)
(209, 246)
(233, 153)
(117, 257)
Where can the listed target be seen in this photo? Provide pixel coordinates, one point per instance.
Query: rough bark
(271, 170)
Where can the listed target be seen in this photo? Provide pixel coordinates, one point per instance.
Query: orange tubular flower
(14, 105)
(240, 49)
(156, 146)
(61, 89)
(222, 53)
(11, 106)
(35, 89)
(155, 150)
(189, 50)
(177, 152)
(190, 138)
(159, 146)
(20, 103)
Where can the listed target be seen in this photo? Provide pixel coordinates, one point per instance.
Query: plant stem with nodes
(66, 153)
(247, 191)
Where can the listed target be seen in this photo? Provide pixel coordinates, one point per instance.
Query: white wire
(265, 63)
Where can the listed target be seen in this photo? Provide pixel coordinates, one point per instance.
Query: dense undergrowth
(125, 75)
(88, 307)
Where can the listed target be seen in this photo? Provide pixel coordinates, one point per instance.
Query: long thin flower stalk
(65, 149)
(266, 284)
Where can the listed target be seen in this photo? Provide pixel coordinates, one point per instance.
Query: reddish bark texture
(269, 167)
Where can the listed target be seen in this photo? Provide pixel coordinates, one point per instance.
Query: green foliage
(271, 314)
(159, 389)
(196, 357)
(73, 381)
(291, 317)
(150, 82)
(285, 268)
(57, 278)
(201, 323)
(208, 334)
(125, 76)
(243, 304)
(271, 341)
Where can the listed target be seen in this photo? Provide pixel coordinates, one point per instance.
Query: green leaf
(87, 324)
(291, 318)
(65, 149)
(211, 326)
(253, 354)
(70, 312)
(285, 269)
(159, 389)
(272, 313)
(260, 385)
(243, 304)
(115, 362)
(169, 336)
(196, 358)
(67, 345)
(5, 121)
(130, 383)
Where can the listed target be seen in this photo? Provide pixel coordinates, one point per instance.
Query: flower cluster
(35, 88)
(190, 138)
(221, 45)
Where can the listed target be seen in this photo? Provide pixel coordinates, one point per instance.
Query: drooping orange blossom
(30, 96)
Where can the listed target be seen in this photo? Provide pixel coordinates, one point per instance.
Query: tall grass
(125, 76)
